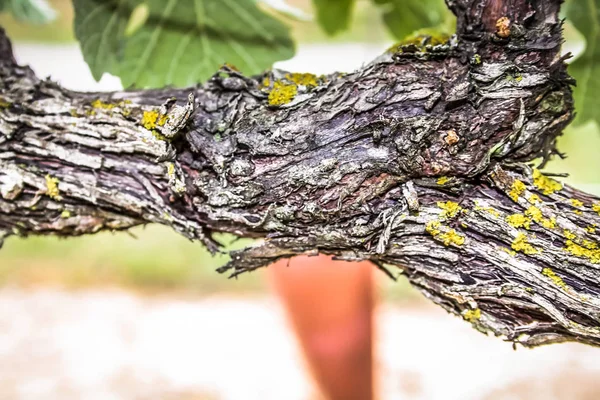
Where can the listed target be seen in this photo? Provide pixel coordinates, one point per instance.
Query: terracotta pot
(330, 306)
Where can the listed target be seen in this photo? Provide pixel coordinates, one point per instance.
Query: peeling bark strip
(415, 162)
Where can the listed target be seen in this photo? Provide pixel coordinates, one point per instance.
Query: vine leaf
(177, 42)
(585, 15)
(33, 11)
(403, 17)
(334, 15)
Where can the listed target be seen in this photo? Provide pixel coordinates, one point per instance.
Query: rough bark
(417, 162)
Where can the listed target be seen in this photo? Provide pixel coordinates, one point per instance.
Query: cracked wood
(417, 162)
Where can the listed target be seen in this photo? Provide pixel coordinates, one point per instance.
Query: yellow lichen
(448, 237)
(433, 228)
(65, 214)
(534, 198)
(596, 208)
(569, 235)
(521, 244)
(102, 105)
(576, 203)
(450, 209)
(509, 251)
(591, 228)
(4, 103)
(451, 237)
(282, 93)
(536, 215)
(52, 189)
(518, 221)
(545, 184)
(266, 82)
(472, 315)
(125, 111)
(170, 169)
(489, 210)
(555, 278)
(152, 119)
(503, 27)
(442, 180)
(592, 254)
(306, 79)
(231, 67)
(549, 223)
(517, 189)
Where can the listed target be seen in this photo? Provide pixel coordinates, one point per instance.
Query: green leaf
(32, 11)
(333, 15)
(403, 17)
(177, 42)
(585, 15)
(282, 8)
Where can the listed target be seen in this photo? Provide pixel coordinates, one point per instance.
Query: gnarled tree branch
(416, 162)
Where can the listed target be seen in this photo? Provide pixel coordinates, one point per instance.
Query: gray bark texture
(419, 162)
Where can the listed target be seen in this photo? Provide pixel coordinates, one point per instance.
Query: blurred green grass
(148, 258)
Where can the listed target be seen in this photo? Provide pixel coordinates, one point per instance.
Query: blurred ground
(115, 317)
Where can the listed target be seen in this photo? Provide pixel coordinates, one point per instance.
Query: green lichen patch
(4, 103)
(546, 185)
(52, 189)
(230, 67)
(553, 103)
(555, 278)
(424, 40)
(282, 93)
(514, 77)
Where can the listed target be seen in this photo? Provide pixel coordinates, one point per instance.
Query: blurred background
(144, 315)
